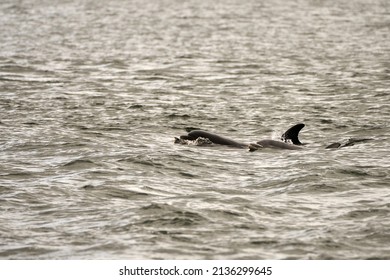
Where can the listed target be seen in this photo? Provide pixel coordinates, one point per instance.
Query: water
(92, 94)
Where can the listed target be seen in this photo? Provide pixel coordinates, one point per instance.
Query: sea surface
(92, 94)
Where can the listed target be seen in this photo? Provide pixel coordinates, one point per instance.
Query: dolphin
(290, 134)
(349, 142)
(289, 140)
(273, 144)
(214, 138)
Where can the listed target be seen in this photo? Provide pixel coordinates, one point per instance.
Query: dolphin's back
(216, 139)
(278, 145)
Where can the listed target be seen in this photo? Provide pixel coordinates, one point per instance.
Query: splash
(200, 141)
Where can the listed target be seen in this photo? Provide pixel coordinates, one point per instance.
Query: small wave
(136, 106)
(80, 164)
(166, 215)
(17, 174)
(20, 252)
(318, 188)
(111, 192)
(178, 116)
(367, 213)
(355, 172)
(188, 175)
(264, 242)
(143, 160)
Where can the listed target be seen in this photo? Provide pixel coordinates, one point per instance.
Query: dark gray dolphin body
(273, 144)
(216, 139)
(349, 142)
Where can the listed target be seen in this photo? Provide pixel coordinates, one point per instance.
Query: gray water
(92, 94)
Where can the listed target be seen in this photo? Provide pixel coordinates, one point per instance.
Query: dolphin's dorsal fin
(292, 134)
